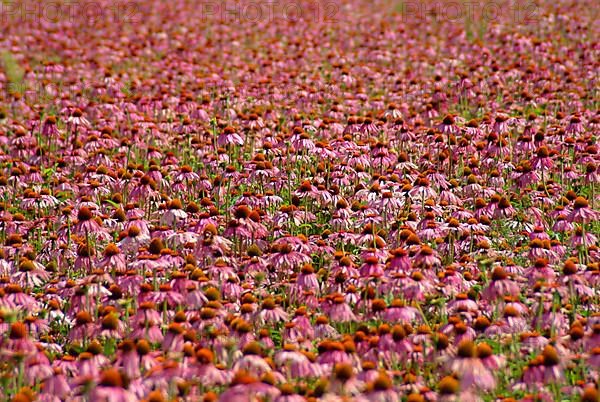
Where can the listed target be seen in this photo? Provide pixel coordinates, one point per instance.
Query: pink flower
(76, 119)
(244, 386)
(17, 344)
(128, 359)
(56, 385)
(542, 161)
(31, 274)
(500, 285)
(307, 279)
(84, 327)
(271, 313)
(111, 327)
(371, 268)
(110, 388)
(582, 213)
(113, 260)
(399, 312)
(470, 369)
(338, 310)
(173, 340)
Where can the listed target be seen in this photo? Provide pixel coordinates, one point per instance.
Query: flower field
(299, 201)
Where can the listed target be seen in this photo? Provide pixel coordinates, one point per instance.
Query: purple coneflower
(582, 213)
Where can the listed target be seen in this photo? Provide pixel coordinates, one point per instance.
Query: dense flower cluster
(387, 207)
